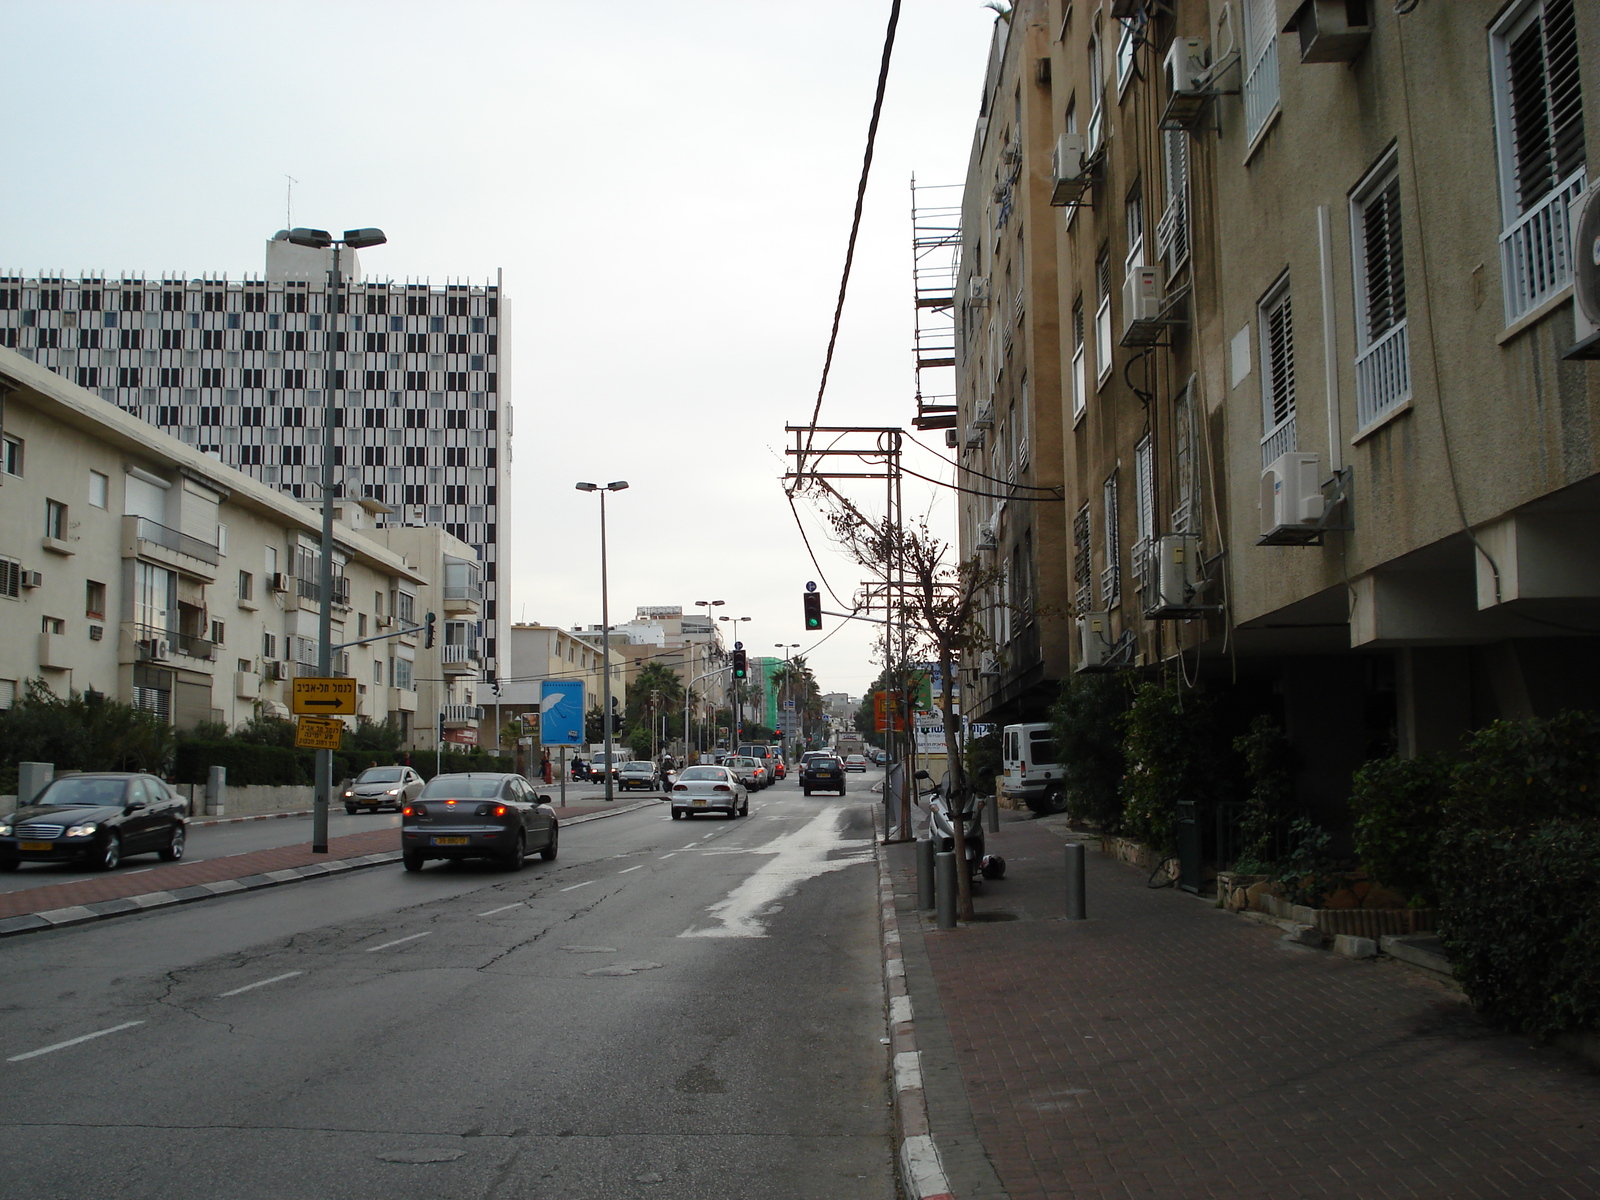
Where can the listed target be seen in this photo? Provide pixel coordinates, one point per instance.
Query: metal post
(945, 876)
(216, 791)
(33, 778)
(925, 891)
(992, 817)
(563, 776)
(324, 760)
(605, 649)
(1077, 900)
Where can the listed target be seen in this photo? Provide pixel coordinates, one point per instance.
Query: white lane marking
(668, 855)
(88, 1037)
(411, 938)
(501, 909)
(576, 886)
(692, 845)
(796, 857)
(640, 867)
(250, 987)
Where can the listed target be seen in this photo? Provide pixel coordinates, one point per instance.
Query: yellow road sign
(319, 733)
(325, 697)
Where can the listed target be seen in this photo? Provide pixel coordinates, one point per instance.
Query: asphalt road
(681, 1010)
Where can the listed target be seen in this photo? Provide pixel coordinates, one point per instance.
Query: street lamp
(708, 605)
(321, 239)
(605, 624)
(738, 696)
(788, 681)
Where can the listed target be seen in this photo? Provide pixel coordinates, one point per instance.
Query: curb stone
(101, 910)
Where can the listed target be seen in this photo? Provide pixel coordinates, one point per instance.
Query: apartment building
(238, 369)
(1321, 433)
(133, 565)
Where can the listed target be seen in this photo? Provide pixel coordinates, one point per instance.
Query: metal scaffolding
(936, 259)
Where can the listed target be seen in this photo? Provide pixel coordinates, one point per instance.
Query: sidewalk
(118, 892)
(1165, 1048)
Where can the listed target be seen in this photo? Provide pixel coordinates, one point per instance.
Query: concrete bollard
(925, 883)
(216, 791)
(32, 778)
(945, 873)
(1077, 899)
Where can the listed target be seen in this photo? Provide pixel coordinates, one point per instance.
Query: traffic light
(427, 640)
(740, 670)
(813, 602)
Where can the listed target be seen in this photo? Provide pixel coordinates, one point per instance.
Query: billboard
(561, 710)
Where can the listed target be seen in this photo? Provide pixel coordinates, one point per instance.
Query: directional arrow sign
(319, 733)
(324, 697)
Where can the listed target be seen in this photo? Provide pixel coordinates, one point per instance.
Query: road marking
(413, 937)
(668, 855)
(640, 867)
(576, 886)
(88, 1037)
(692, 845)
(501, 909)
(260, 983)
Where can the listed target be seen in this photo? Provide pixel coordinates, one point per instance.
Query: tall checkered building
(237, 369)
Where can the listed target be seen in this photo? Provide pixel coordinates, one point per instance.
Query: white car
(709, 789)
(856, 762)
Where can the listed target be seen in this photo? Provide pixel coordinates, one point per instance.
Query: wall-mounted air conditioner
(383, 622)
(999, 193)
(951, 439)
(1068, 170)
(987, 538)
(974, 437)
(275, 670)
(1185, 66)
(1012, 154)
(978, 289)
(1172, 575)
(278, 582)
(988, 666)
(1094, 641)
(1291, 501)
(159, 649)
(1584, 220)
(1142, 295)
(1332, 30)
(984, 417)
(32, 579)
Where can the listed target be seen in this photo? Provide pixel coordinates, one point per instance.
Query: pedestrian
(545, 771)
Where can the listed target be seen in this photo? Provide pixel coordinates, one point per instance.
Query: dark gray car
(478, 815)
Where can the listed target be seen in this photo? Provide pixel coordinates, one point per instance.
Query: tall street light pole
(605, 625)
(321, 239)
(708, 605)
(738, 695)
(786, 654)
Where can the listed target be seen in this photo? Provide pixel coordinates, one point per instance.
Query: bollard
(944, 873)
(32, 778)
(925, 889)
(1077, 903)
(216, 790)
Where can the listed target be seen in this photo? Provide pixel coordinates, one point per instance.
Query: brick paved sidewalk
(1165, 1048)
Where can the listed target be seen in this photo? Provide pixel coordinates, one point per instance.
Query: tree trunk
(955, 788)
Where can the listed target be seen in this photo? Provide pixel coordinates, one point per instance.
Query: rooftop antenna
(288, 202)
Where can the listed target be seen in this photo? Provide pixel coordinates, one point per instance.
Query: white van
(1032, 775)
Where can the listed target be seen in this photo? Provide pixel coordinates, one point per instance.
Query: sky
(664, 187)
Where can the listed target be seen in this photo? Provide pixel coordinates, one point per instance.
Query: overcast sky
(666, 186)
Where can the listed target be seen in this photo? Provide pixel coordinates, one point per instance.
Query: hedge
(250, 764)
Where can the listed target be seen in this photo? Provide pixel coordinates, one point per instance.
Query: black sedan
(824, 774)
(477, 815)
(103, 818)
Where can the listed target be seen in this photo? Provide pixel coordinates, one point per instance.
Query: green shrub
(1177, 747)
(81, 732)
(1521, 773)
(984, 766)
(247, 763)
(1269, 765)
(1087, 725)
(1401, 806)
(1309, 872)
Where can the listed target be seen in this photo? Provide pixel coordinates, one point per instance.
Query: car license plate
(36, 845)
(451, 841)
(699, 803)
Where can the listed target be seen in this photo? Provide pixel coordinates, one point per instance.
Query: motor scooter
(941, 822)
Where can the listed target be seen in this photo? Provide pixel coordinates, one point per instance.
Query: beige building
(1314, 287)
(135, 566)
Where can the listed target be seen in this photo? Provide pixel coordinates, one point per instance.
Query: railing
(456, 713)
(303, 670)
(1383, 376)
(1278, 441)
(1261, 91)
(180, 643)
(194, 647)
(147, 530)
(1110, 587)
(1141, 553)
(451, 655)
(463, 591)
(307, 589)
(1536, 252)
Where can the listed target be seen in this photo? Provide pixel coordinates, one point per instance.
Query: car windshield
(381, 775)
(461, 787)
(823, 763)
(637, 768)
(691, 774)
(65, 792)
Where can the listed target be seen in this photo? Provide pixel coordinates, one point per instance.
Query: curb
(103, 910)
(921, 1169)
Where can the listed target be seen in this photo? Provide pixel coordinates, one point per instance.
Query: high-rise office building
(238, 368)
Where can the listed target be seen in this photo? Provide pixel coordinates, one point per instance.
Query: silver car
(477, 815)
(709, 789)
(382, 787)
(751, 771)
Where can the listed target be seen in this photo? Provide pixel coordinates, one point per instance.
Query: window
(1185, 513)
(94, 600)
(1276, 321)
(1102, 314)
(247, 585)
(1097, 91)
(1383, 362)
(1110, 576)
(1080, 382)
(1144, 484)
(1172, 234)
(10, 578)
(55, 520)
(219, 633)
(269, 645)
(52, 625)
(402, 674)
(99, 489)
(405, 606)
(1261, 65)
(1540, 139)
(1082, 560)
(1127, 43)
(8, 693)
(1133, 219)
(13, 455)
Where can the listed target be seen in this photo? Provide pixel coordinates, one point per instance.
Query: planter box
(1361, 922)
(1137, 854)
(1233, 889)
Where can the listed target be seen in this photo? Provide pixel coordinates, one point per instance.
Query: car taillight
(680, 787)
(449, 803)
(499, 810)
(722, 787)
(412, 810)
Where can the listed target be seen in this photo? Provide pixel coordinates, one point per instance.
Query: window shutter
(1280, 363)
(1546, 102)
(1385, 264)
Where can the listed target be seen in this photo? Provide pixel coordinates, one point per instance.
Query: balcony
(459, 659)
(461, 716)
(462, 599)
(1536, 252)
(402, 700)
(153, 542)
(1383, 376)
(147, 644)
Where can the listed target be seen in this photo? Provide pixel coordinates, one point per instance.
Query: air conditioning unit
(999, 193)
(1172, 576)
(32, 579)
(974, 437)
(1332, 30)
(1094, 641)
(988, 666)
(987, 538)
(1584, 219)
(160, 649)
(1012, 154)
(275, 670)
(278, 582)
(1068, 172)
(383, 622)
(984, 417)
(978, 289)
(951, 439)
(1142, 295)
(1291, 501)
(1185, 66)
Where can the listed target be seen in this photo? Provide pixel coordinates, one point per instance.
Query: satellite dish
(1586, 275)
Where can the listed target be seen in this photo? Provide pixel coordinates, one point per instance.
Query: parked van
(1032, 774)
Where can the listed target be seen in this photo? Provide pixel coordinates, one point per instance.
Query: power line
(1032, 487)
